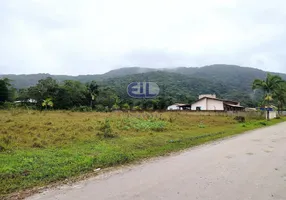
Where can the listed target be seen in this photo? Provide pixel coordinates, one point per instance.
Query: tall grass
(37, 148)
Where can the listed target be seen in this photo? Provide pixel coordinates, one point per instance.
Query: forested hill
(181, 87)
(183, 84)
(231, 75)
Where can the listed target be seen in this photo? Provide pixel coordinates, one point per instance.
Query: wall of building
(173, 107)
(201, 103)
(208, 104)
(256, 115)
(213, 104)
(207, 95)
(272, 114)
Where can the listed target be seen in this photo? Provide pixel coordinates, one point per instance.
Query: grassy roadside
(40, 148)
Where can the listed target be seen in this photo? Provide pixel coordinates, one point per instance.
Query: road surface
(248, 166)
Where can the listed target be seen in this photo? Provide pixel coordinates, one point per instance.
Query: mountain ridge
(217, 71)
(182, 84)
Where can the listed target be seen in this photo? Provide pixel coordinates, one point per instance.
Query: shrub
(171, 119)
(201, 125)
(101, 108)
(263, 123)
(240, 119)
(37, 145)
(106, 130)
(137, 108)
(115, 107)
(9, 105)
(141, 124)
(82, 109)
(2, 148)
(125, 106)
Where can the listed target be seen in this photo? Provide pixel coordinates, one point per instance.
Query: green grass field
(38, 148)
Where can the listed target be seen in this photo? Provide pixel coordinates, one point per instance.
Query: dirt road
(249, 166)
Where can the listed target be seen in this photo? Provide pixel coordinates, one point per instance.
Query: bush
(240, 119)
(101, 108)
(125, 106)
(82, 109)
(7, 105)
(136, 108)
(143, 124)
(263, 123)
(2, 148)
(115, 107)
(106, 130)
(201, 125)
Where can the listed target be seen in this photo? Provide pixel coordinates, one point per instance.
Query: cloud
(94, 36)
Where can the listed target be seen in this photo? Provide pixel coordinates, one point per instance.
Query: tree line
(48, 93)
(71, 94)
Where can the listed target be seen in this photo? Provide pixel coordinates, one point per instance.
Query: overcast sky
(94, 36)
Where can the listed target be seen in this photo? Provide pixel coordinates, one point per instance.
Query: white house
(179, 106)
(210, 102)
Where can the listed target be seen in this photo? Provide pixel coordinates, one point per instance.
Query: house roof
(224, 100)
(233, 105)
(180, 104)
(185, 105)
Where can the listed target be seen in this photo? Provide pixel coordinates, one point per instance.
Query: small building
(270, 108)
(32, 101)
(179, 106)
(250, 109)
(211, 103)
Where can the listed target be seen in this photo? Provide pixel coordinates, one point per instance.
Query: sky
(94, 36)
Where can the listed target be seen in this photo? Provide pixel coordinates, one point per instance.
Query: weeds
(201, 125)
(106, 130)
(263, 123)
(37, 148)
(81, 109)
(142, 124)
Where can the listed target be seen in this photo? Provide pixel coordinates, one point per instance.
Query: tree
(23, 95)
(4, 91)
(268, 86)
(107, 97)
(47, 103)
(280, 96)
(93, 91)
(155, 104)
(46, 88)
(72, 94)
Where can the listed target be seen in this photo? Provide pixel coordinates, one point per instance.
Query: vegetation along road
(39, 148)
(249, 166)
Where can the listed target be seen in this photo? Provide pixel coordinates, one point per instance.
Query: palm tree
(268, 86)
(47, 103)
(280, 96)
(93, 91)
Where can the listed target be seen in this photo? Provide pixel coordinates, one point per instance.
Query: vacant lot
(37, 148)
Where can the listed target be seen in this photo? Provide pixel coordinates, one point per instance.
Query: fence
(251, 114)
(283, 113)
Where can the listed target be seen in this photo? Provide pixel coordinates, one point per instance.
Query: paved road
(249, 166)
